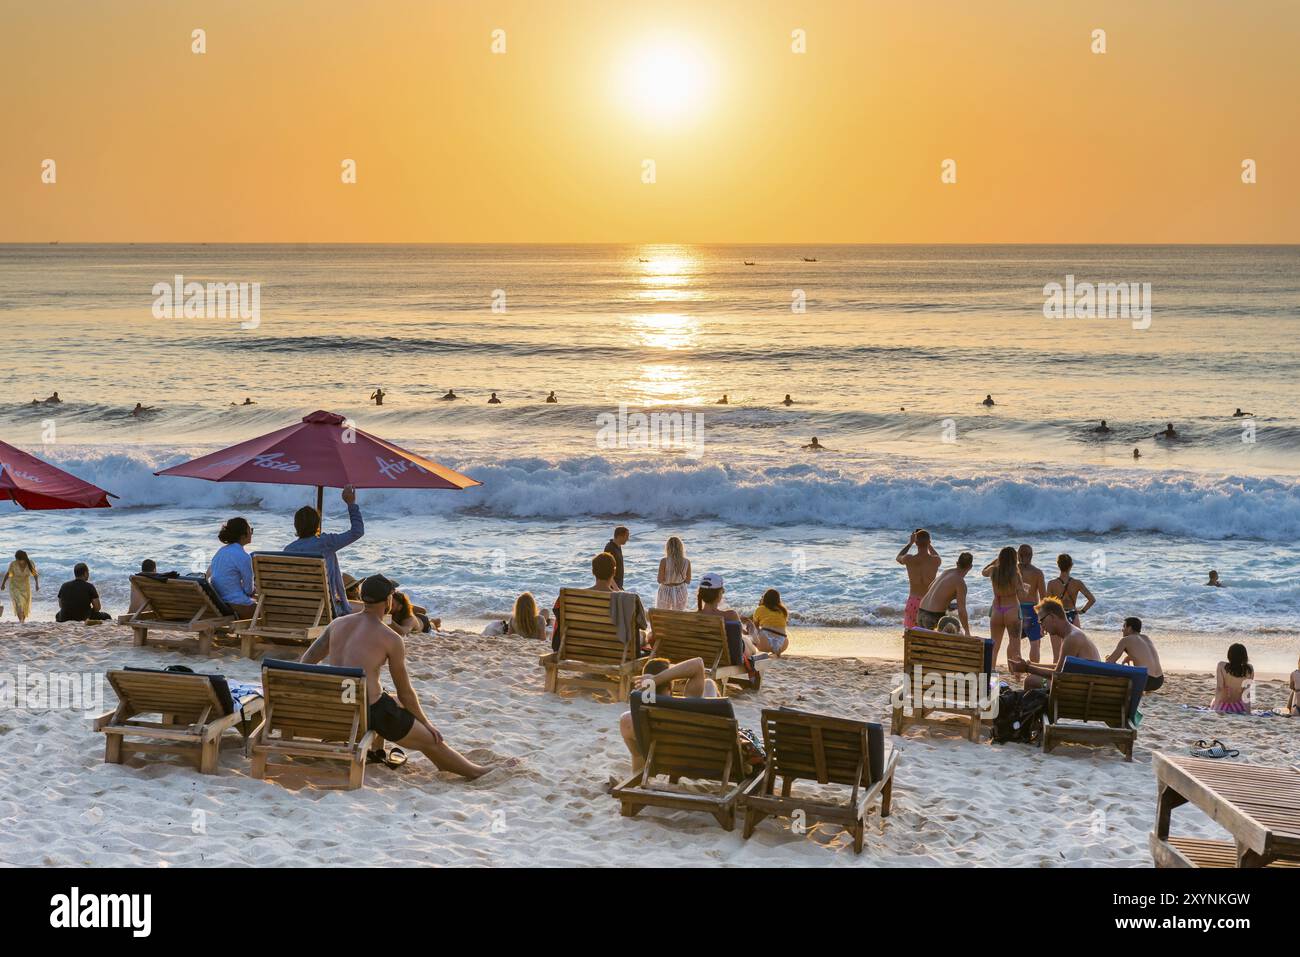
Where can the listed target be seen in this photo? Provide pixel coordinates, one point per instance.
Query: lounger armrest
(104, 720)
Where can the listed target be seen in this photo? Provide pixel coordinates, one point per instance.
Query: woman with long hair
(1232, 682)
(19, 577)
(1004, 614)
(526, 620)
(674, 577)
(231, 571)
(771, 623)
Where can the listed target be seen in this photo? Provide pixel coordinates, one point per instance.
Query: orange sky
(545, 143)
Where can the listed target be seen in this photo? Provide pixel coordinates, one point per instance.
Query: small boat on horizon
(748, 263)
(812, 260)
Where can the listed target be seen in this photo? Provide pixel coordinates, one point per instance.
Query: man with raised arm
(921, 569)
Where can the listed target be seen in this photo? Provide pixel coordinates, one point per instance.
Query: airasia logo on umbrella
(25, 476)
(392, 468)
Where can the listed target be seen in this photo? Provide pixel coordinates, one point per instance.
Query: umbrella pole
(320, 506)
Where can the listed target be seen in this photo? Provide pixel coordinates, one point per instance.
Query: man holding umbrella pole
(311, 541)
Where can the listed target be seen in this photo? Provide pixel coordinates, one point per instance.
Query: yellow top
(765, 617)
(18, 572)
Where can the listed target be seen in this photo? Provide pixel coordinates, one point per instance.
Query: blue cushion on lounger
(875, 744)
(735, 642)
(1137, 677)
(281, 665)
(218, 682)
(719, 706)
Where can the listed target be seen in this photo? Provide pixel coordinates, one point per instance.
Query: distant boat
(812, 260)
(748, 263)
(54, 242)
(643, 260)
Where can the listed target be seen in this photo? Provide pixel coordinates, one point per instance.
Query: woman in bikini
(1004, 616)
(1068, 590)
(1232, 681)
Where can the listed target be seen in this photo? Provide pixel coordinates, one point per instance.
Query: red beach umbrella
(323, 451)
(39, 485)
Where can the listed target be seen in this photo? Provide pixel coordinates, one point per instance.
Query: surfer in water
(1240, 415)
(1168, 433)
(988, 401)
(140, 410)
(723, 400)
(450, 396)
(53, 400)
(1103, 429)
(1136, 454)
(814, 446)
(551, 398)
(245, 402)
(378, 396)
(494, 400)
(787, 401)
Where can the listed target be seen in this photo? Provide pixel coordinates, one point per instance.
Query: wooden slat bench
(682, 635)
(179, 607)
(950, 662)
(591, 652)
(293, 603)
(1102, 701)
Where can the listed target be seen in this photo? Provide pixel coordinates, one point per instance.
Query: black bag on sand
(1020, 716)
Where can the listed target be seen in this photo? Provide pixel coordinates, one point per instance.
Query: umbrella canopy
(39, 485)
(321, 450)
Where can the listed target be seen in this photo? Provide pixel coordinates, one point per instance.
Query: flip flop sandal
(1213, 749)
(392, 759)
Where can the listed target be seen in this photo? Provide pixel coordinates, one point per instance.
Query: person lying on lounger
(362, 640)
(659, 675)
(1074, 644)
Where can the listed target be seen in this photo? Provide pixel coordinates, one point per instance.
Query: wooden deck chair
(314, 711)
(591, 652)
(951, 662)
(195, 713)
(682, 635)
(293, 602)
(1095, 699)
(693, 738)
(829, 751)
(180, 606)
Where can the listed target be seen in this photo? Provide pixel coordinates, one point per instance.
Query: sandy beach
(955, 803)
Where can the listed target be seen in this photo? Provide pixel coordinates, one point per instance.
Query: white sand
(955, 802)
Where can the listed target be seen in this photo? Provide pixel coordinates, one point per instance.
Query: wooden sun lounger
(193, 718)
(682, 635)
(314, 711)
(591, 653)
(680, 743)
(293, 603)
(179, 606)
(1101, 700)
(951, 660)
(827, 750)
(1259, 806)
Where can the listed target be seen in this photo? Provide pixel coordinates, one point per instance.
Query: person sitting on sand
(525, 621)
(1073, 644)
(378, 396)
(603, 567)
(988, 400)
(310, 541)
(1168, 433)
(1239, 414)
(1233, 682)
(921, 569)
(1293, 699)
(1214, 580)
(659, 675)
(787, 401)
(450, 396)
(494, 400)
(551, 398)
(147, 567)
(1069, 589)
(1103, 429)
(79, 599)
(949, 586)
(1139, 651)
(362, 640)
(1003, 574)
(814, 446)
(771, 624)
(406, 616)
(231, 571)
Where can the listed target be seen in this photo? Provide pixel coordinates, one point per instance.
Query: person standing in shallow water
(19, 578)
(377, 396)
(615, 547)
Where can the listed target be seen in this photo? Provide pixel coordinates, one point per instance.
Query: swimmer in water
(1239, 414)
(494, 400)
(451, 394)
(723, 400)
(245, 402)
(140, 410)
(1103, 429)
(1168, 433)
(787, 400)
(1214, 580)
(814, 446)
(378, 396)
(53, 400)
(1137, 454)
(551, 397)
(988, 400)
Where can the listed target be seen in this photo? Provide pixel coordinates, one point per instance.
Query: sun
(666, 79)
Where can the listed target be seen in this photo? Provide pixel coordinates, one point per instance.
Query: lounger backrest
(681, 635)
(690, 744)
(587, 630)
(935, 651)
(175, 599)
(293, 591)
(1137, 676)
(822, 748)
(314, 701)
(186, 697)
(1077, 697)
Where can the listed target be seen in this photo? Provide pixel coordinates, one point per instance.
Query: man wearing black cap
(362, 640)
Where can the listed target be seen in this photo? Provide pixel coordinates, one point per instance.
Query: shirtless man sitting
(659, 675)
(1140, 651)
(1074, 644)
(362, 640)
(948, 586)
(921, 569)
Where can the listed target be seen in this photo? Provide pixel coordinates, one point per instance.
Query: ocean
(886, 351)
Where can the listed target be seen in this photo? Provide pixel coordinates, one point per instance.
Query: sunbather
(1232, 682)
(1074, 644)
(658, 678)
(362, 640)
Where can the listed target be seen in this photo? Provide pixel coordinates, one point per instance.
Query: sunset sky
(751, 141)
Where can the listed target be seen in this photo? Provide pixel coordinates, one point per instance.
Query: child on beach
(19, 578)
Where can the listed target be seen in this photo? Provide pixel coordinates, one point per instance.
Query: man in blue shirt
(311, 542)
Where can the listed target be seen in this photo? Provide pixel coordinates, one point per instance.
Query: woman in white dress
(674, 577)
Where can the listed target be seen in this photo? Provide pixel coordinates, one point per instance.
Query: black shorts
(1153, 683)
(928, 619)
(390, 719)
